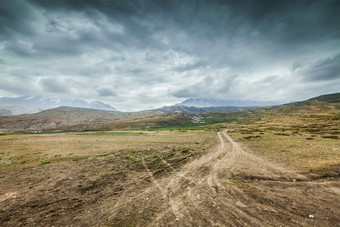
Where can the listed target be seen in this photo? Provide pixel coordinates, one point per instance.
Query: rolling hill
(82, 119)
(56, 119)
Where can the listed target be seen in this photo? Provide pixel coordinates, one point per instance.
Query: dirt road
(232, 187)
(229, 186)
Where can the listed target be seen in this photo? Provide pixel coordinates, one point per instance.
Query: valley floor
(227, 185)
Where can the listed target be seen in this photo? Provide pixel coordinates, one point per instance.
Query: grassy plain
(23, 150)
(55, 178)
(305, 138)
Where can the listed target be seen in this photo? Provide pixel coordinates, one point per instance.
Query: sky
(144, 54)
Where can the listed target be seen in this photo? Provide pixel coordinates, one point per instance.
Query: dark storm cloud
(19, 88)
(54, 85)
(209, 87)
(16, 83)
(167, 50)
(200, 22)
(323, 70)
(106, 92)
(206, 22)
(15, 17)
(189, 66)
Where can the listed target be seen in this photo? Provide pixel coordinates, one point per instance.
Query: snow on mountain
(34, 104)
(201, 102)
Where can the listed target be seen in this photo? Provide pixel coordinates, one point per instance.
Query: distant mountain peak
(205, 102)
(34, 104)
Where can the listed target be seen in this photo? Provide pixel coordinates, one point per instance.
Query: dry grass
(306, 138)
(32, 149)
(62, 174)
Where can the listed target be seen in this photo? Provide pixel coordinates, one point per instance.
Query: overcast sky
(143, 54)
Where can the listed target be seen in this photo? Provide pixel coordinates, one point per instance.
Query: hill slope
(57, 118)
(320, 99)
(81, 119)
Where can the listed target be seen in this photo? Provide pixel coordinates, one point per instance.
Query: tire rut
(206, 191)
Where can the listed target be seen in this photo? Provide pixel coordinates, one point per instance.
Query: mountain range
(85, 119)
(34, 104)
(202, 102)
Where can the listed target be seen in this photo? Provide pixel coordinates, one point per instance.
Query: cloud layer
(146, 54)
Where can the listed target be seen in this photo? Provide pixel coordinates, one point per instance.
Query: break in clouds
(144, 54)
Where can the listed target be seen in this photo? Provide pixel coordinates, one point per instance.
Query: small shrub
(102, 155)
(282, 134)
(235, 179)
(331, 137)
(251, 137)
(45, 161)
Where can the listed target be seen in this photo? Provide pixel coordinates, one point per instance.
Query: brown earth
(229, 186)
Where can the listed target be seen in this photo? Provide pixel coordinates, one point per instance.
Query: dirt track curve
(228, 186)
(232, 187)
